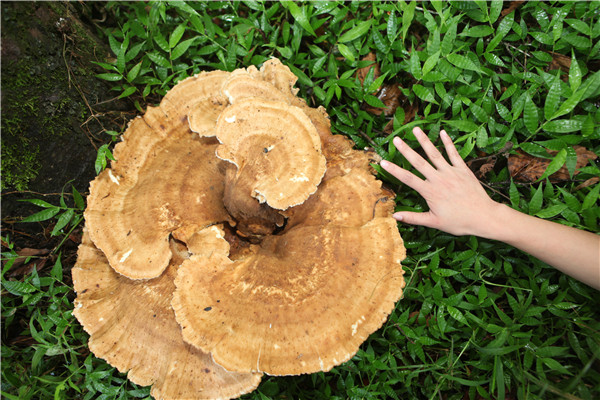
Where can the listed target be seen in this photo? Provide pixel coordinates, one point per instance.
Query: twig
(494, 190)
(368, 139)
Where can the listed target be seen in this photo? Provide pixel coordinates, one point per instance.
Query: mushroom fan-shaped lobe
(182, 99)
(164, 178)
(304, 302)
(275, 146)
(132, 325)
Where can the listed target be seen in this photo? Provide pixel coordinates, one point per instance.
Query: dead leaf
(486, 167)
(511, 7)
(562, 62)
(526, 168)
(589, 182)
(362, 72)
(410, 110)
(391, 96)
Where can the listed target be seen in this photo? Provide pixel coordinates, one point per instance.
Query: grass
(479, 319)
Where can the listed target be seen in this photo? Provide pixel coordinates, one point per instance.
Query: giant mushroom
(291, 257)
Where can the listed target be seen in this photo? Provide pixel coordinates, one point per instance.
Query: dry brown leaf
(26, 252)
(526, 168)
(562, 62)
(391, 96)
(589, 182)
(362, 72)
(511, 7)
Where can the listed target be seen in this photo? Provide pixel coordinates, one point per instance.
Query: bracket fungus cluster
(233, 236)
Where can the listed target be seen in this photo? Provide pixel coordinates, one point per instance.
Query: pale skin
(459, 205)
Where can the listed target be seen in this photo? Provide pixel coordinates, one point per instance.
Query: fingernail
(384, 163)
(397, 217)
(416, 131)
(397, 140)
(444, 133)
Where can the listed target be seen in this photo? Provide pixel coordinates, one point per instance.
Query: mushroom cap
(132, 326)
(182, 99)
(275, 146)
(164, 178)
(302, 303)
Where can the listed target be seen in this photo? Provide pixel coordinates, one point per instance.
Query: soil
(54, 109)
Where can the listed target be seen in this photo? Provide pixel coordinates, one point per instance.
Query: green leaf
(591, 198)
(159, 60)
(457, 315)
(160, 40)
(299, 14)
(535, 205)
(42, 215)
(543, 38)
(63, 220)
(78, 199)
(552, 98)
(18, 288)
(408, 13)
(571, 162)
(468, 147)
(551, 211)
(530, 115)
(563, 126)
(184, 7)
(503, 28)
(181, 48)
(556, 366)
(357, 31)
(482, 137)
(176, 35)
(431, 62)
(103, 154)
(494, 59)
(425, 94)
(392, 26)
(570, 200)
(479, 31)
(445, 272)
(39, 203)
(120, 64)
(134, 71)
(574, 73)
(346, 52)
(462, 62)
(374, 101)
(463, 125)
(495, 10)
(514, 195)
(504, 112)
(587, 129)
(414, 65)
(127, 92)
(449, 40)
(557, 162)
(110, 77)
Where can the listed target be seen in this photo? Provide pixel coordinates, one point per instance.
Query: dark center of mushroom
(254, 220)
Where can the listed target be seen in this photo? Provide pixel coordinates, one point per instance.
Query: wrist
(496, 222)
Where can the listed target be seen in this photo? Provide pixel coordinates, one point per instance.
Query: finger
(434, 155)
(453, 155)
(404, 176)
(414, 158)
(416, 218)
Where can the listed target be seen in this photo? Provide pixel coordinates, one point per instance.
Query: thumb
(416, 218)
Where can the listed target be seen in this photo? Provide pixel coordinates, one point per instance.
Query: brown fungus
(132, 326)
(281, 239)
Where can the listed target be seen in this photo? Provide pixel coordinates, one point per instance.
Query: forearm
(572, 251)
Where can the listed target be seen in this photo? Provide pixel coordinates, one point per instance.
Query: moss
(39, 103)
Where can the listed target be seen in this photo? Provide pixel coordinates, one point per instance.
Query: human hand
(458, 204)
